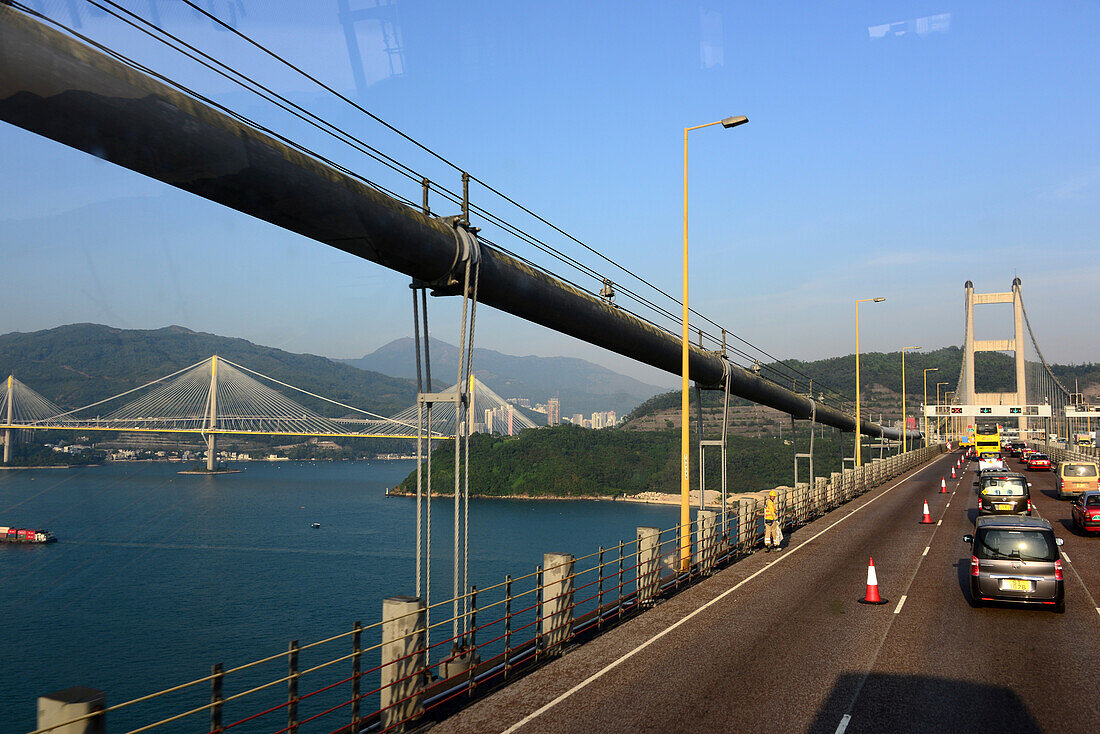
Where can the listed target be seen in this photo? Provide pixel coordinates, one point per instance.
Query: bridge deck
(779, 642)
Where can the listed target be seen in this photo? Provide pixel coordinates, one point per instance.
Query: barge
(25, 535)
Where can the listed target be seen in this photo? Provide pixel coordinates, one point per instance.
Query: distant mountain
(581, 386)
(78, 364)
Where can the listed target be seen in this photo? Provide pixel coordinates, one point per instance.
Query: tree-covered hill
(567, 461)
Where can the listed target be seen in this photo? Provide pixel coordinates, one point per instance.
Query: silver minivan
(1015, 559)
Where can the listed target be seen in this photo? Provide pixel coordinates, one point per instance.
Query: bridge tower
(968, 394)
(7, 431)
(212, 437)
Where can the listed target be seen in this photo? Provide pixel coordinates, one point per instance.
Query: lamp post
(685, 437)
(947, 422)
(904, 421)
(859, 423)
(930, 369)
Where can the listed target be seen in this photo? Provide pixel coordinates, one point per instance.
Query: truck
(1084, 440)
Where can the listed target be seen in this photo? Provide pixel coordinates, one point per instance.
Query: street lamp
(930, 369)
(904, 421)
(946, 422)
(685, 438)
(859, 424)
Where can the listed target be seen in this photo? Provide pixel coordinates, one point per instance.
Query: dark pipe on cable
(56, 87)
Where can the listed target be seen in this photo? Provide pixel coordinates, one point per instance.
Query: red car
(1038, 461)
(1086, 511)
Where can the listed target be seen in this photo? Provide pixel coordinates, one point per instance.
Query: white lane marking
(938, 522)
(616, 663)
(926, 549)
(843, 725)
(1066, 557)
(947, 505)
(1098, 610)
(900, 604)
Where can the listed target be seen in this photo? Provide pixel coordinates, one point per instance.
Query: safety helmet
(773, 493)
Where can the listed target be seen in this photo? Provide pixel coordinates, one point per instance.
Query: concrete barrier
(557, 600)
(649, 540)
(403, 656)
(57, 708)
(707, 539)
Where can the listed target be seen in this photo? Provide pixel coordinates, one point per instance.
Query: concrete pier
(557, 600)
(57, 708)
(403, 654)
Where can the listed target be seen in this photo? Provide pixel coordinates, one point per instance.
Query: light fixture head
(734, 121)
(878, 300)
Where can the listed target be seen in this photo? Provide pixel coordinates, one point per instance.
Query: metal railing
(405, 670)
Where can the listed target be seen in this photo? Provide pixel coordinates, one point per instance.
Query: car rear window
(1040, 457)
(1079, 470)
(1026, 545)
(1093, 501)
(1003, 487)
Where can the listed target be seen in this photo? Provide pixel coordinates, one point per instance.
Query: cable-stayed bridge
(219, 397)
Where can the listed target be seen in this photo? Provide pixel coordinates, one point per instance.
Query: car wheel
(1060, 607)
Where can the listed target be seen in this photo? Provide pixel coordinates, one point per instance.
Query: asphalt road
(779, 642)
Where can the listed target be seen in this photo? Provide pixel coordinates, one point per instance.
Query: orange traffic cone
(953, 472)
(872, 586)
(943, 486)
(927, 519)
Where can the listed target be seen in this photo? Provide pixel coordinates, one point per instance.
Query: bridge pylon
(7, 431)
(968, 394)
(212, 417)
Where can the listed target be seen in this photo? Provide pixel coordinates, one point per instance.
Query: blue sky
(894, 148)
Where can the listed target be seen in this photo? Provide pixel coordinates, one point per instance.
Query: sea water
(159, 575)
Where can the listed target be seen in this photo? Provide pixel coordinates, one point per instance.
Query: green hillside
(567, 461)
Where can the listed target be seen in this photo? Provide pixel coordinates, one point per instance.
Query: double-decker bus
(987, 438)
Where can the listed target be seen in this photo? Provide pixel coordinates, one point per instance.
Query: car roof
(1091, 493)
(1012, 521)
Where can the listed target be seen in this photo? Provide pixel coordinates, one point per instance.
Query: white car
(990, 461)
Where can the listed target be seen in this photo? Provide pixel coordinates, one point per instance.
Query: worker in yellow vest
(773, 535)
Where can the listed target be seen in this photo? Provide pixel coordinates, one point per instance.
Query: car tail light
(1029, 505)
(979, 503)
(1057, 570)
(974, 567)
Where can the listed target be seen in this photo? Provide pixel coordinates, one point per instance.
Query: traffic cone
(943, 486)
(953, 472)
(927, 519)
(872, 586)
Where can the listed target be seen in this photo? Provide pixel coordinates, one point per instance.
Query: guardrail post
(746, 523)
(292, 688)
(57, 708)
(356, 655)
(707, 539)
(802, 502)
(216, 679)
(820, 488)
(836, 483)
(646, 574)
(403, 660)
(557, 600)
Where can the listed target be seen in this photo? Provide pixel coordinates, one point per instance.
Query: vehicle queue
(1015, 555)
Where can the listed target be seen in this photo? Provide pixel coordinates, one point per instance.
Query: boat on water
(25, 535)
(315, 525)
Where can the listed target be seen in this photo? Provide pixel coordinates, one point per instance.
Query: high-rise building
(488, 420)
(553, 412)
(511, 419)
